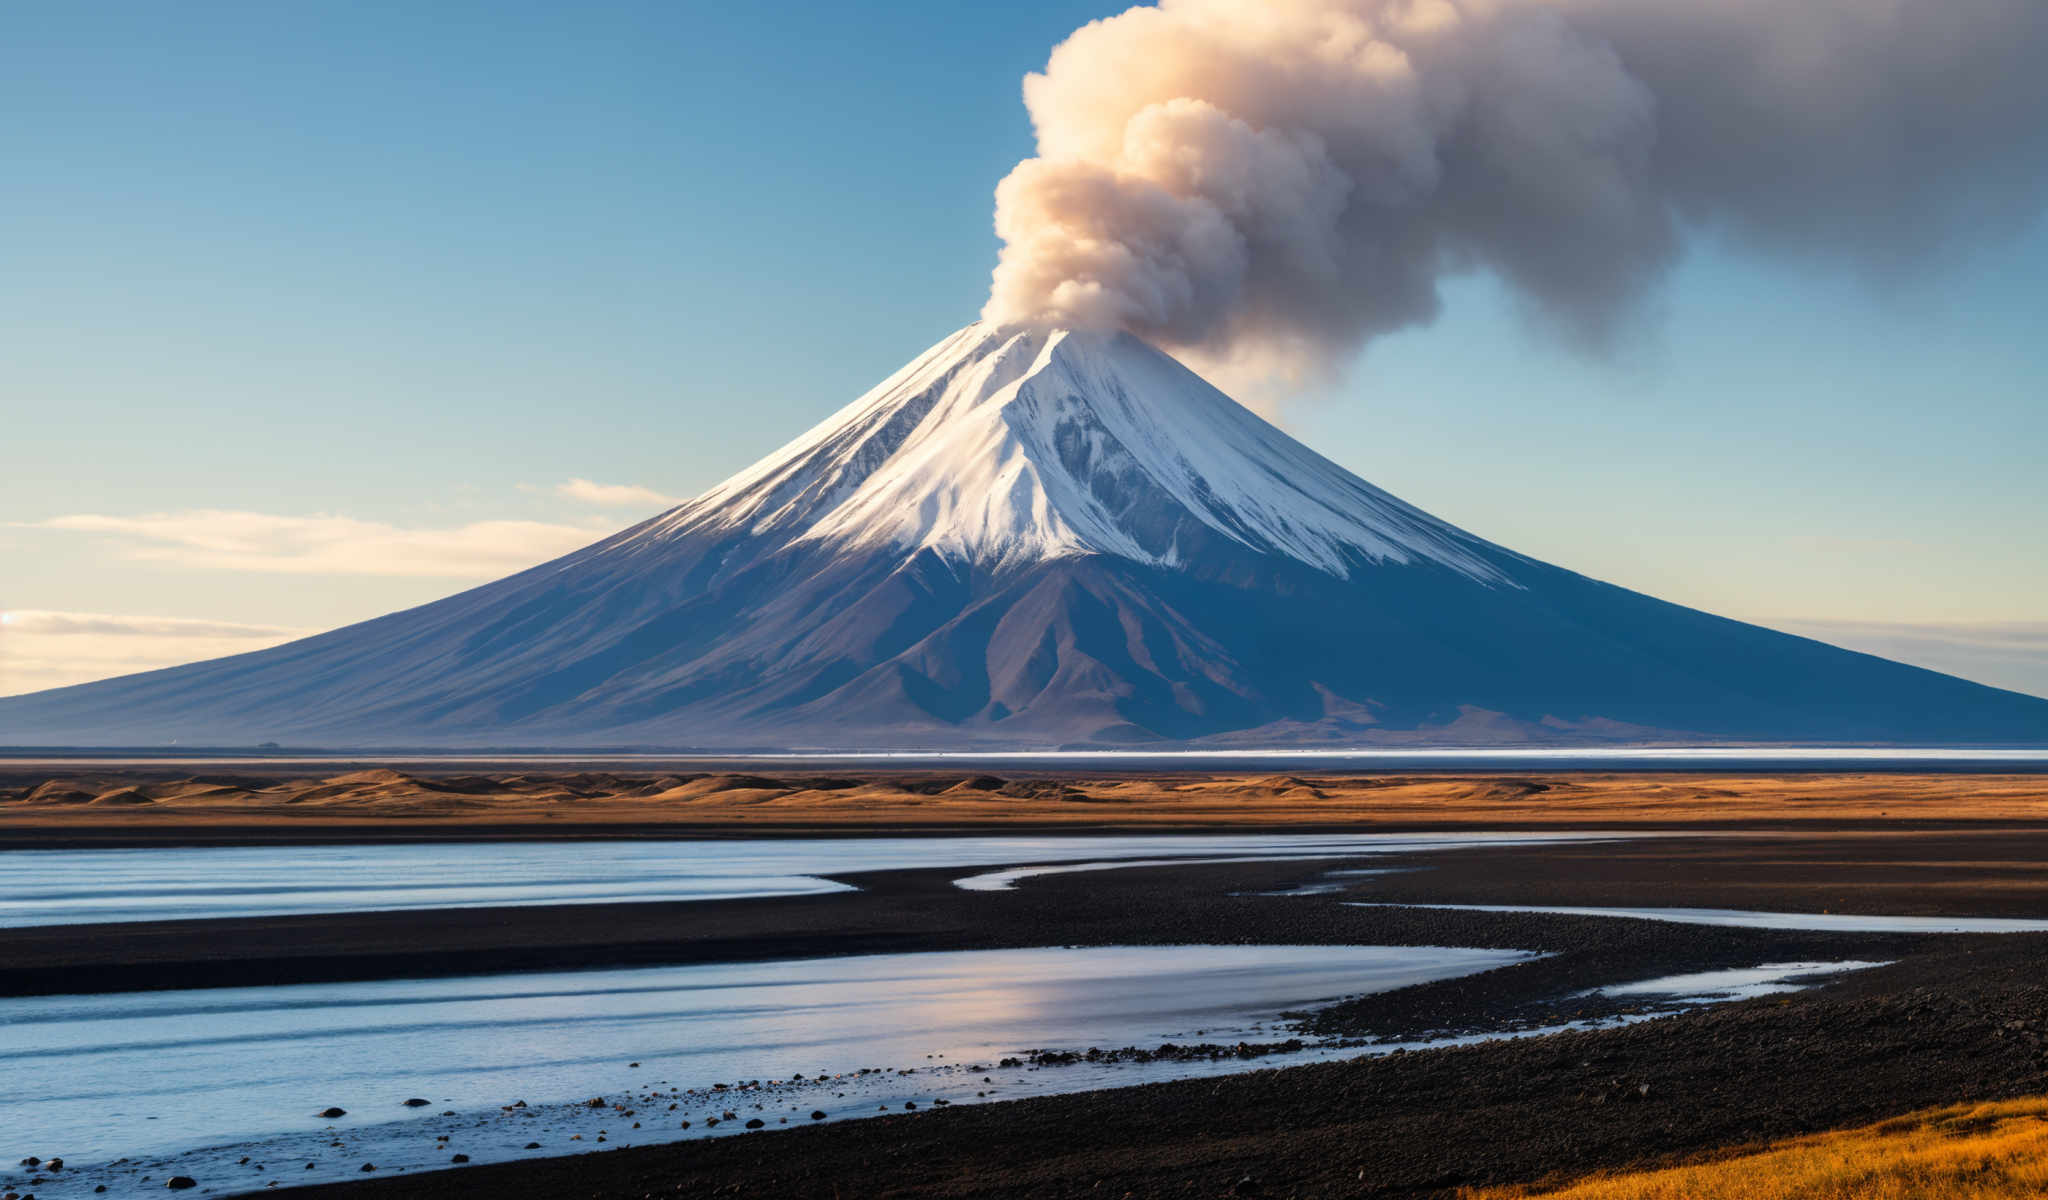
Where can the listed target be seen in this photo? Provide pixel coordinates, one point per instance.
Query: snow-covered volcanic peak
(1006, 445)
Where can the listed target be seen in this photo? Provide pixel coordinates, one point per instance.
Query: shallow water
(1743, 919)
(151, 1076)
(62, 887)
(1829, 758)
(1741, 983)
(1006, 880)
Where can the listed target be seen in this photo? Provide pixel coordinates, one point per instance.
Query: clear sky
(314, 311)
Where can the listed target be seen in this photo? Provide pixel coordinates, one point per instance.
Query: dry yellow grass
(1564, 799)
(1966, 1152)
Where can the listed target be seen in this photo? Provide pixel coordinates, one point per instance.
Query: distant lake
(1644, 758)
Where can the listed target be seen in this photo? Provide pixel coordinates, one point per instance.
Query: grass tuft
(1964, 1152)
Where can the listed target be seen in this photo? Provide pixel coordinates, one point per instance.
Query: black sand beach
(1955, 1017)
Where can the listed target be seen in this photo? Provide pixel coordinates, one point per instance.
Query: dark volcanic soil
(1991, 872)
(1963, 1025)
(1955, 1018)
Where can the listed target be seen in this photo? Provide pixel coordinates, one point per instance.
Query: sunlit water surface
(1739, 983)
(190, 1082)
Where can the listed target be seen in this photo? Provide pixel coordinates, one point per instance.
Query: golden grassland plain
(1964, 1152)
(908, 800)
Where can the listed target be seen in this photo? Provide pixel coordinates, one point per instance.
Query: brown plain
(610, 800)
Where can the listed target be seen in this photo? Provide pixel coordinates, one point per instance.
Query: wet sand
(1420, 1124)
(1994, 871)
(1955, 1018)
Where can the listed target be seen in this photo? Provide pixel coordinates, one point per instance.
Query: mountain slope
(1036, 538)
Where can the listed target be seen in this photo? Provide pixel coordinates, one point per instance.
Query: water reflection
(96, 1078)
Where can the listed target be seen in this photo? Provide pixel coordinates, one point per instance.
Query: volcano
(1035, 538)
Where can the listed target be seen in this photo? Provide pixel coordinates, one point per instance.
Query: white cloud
(2008, 654)
(615, 495)
(328, 545)
(40, 648)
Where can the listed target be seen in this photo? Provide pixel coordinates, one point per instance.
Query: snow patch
(1008, 445)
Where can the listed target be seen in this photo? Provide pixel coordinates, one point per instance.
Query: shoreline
(1929, 1028)
(1421, 1123)
(902, 911)
(1952, 1018)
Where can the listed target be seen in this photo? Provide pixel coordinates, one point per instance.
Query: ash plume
(1266, 185)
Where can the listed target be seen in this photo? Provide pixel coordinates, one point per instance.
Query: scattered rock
(416, 1102)
(368, 1167)
(756, 1123)
(460, 1158)
(533, 1145)
(818, 1115)
(331, 1113)
(179, 1183)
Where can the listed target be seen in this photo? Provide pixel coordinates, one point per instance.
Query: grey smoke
(1269, 184)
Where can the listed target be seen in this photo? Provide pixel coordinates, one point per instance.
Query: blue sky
(314, 311)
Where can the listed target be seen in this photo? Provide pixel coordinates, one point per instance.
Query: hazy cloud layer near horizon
(42, 649)
(2011, 655)
(326, 544)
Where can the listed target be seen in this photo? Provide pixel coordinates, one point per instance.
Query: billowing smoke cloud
(1268, 184)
